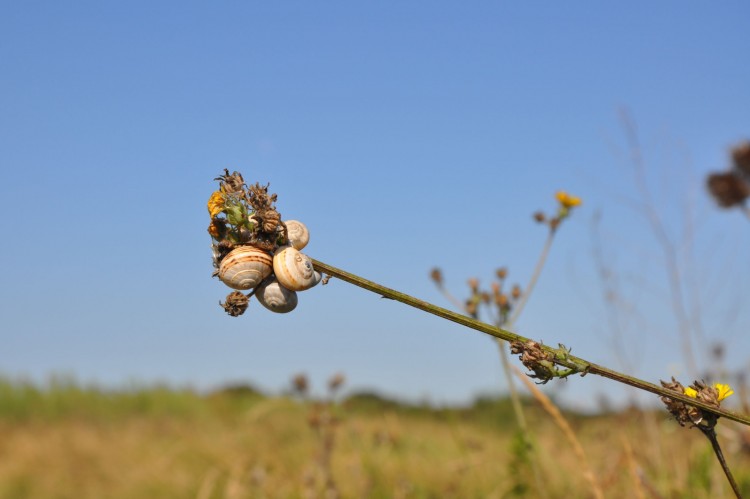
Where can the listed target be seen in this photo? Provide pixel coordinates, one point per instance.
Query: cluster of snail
(253, 249)
(276, 278)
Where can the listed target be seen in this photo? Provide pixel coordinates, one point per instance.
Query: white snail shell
(298, 234)
(276, 297)
(294, 270)
(245, 267)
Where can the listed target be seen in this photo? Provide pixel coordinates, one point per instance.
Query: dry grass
(264, 447)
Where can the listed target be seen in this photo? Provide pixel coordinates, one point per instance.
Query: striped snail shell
(276, 297)
(294, 270)
(245, 267)
(298, 234)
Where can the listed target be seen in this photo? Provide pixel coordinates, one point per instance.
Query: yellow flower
(216, 203)
(690, 392)
(567, 200)
(724, 391)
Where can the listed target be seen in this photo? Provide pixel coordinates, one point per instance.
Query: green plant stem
(570, 361)
(711, 435)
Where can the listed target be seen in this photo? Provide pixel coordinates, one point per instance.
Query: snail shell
(276, 297)
(245, 267)
(294, 270)
(298, 234)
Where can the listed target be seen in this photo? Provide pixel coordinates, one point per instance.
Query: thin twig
(518, 308)
(571, 361)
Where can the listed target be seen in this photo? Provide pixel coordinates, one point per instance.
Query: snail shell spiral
(294, 270)
(276, 297)
(298, 234)
(245, 267)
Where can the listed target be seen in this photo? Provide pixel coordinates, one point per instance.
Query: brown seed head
(300, 384)
(540, 217)
(741, 157)
(515, 292)
(473, 284)
(336, 381)
(501, 273)
(437, 276)
(728, 189)
(236, 303)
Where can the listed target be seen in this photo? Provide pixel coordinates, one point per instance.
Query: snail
(245, 267)
(298, 234)
(276, 297)
(294, 270)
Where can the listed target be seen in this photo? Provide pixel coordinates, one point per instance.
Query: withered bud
(535, 359)
(728, 189)
(336, 381)
(231, 183)
(471, 308)
(741, 157)
(473, 284)
(437, 276)
(540, 217)
(501, 300)
(501, 273)
(688, 414)
(236, 304)
(515, 292)
(299, 384)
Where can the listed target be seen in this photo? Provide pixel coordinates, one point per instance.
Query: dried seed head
(437, 276)
(501, 273)
(741, 157)
(473, 284)
(515, 292)
(501, 300)
(336, 381)
(728, 189)
(540, 217)
(300, 384)
(236, 303)
(471, 308)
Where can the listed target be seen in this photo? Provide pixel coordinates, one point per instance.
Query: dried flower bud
(501, 273)
(473, 284)
(741, 157)
(471, 308)
(501, 300)
(336, 381)
(540, 217)
(515, 292)
(236, 303)
(437, 276)
(299, 384)
(728, 189)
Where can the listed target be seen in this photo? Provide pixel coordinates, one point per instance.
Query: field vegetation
(64, 440)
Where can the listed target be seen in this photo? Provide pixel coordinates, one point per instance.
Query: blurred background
(406, 136)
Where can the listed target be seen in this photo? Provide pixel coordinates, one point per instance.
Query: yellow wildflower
(216, 203)
(724, 391)
(566, 200)
(691, 392)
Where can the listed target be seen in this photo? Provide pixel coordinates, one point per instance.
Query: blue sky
(405, 135)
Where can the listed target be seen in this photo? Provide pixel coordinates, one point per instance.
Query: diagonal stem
(571, 361)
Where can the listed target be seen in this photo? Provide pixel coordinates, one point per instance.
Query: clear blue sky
(405, 135)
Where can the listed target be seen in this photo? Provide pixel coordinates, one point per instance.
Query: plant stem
(711, 435)
(532, 282)
(571, 361)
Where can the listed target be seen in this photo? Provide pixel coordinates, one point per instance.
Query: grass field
(64, 440)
